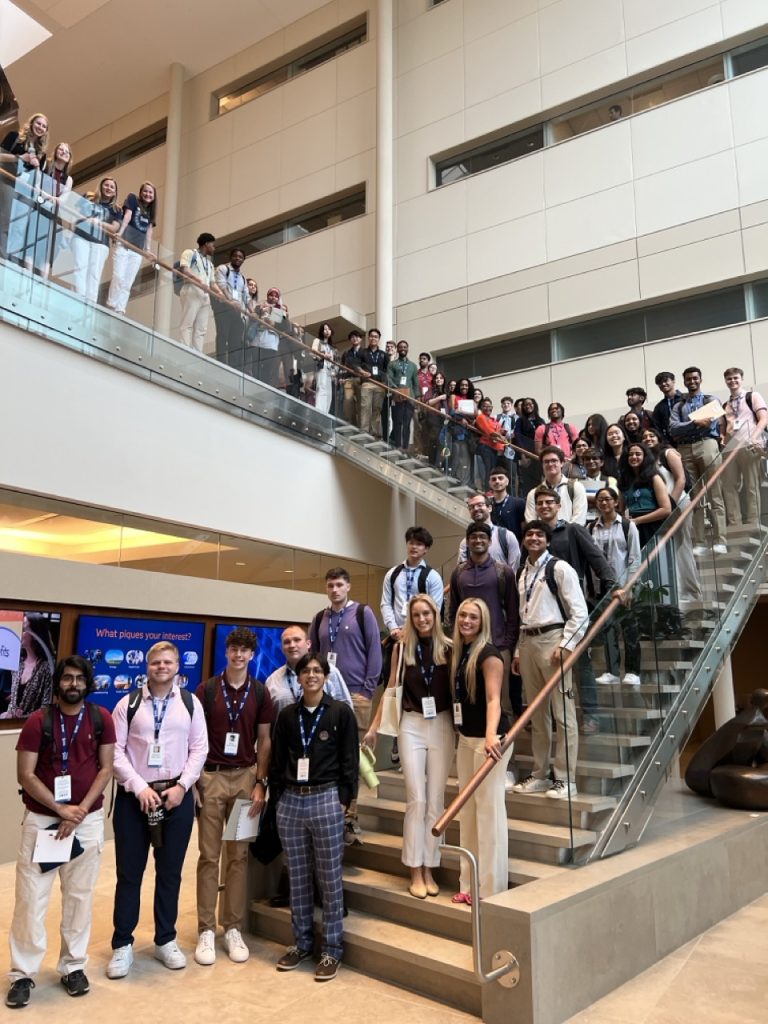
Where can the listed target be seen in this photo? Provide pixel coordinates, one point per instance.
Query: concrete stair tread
(592, 804)
(615, 711)
(597, 769)
(603, 739)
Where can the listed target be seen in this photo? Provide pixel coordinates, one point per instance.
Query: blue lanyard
(290, 676)
(307, 743)
(159, 715)
(410, 581)
(234, 716)
(333, 631)
(65, 742)
(426, 675)
(529, 589)
(460, 680)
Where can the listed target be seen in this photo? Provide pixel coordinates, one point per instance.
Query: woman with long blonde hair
(136, 228)
(22, 162)
(477, 672)
(425, 738)
(99, 217)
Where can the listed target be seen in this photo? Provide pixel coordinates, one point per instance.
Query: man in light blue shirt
(283, 684)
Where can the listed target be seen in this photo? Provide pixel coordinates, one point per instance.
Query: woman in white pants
(99, 219)
(326, 370)
(426, 736)
(136, 228)
(476, 676)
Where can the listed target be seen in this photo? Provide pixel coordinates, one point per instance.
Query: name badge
(62, 789)
(428, 707)
(231, 742)
(302, 769)
(458, 718)
(403, 382)
(736, 424)
(374, 371)
(155, 758)
(331, 658)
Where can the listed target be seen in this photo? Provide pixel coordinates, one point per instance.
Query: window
(759, 299)
(749, 58)
(491, 154)
(235, 95)
(108, 159)
(333, 210)
(500, 357)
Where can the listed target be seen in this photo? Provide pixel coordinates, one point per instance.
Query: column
(170, 198)
(384, 170)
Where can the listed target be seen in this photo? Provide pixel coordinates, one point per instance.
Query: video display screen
(268, 657)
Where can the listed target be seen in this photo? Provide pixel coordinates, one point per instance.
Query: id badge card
(155, 759)
(331, 658)
(458, 718)
(231, 743)
(62, 789)
(428, 707)
(736, 424)
(374, 371)
(403, 382)
(302, 769)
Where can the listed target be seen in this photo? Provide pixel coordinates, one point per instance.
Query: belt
(225, 767)
(538, 630)
(296, 787)
(162, 784)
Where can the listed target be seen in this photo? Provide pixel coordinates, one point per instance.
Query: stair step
(427, 473)
(640, 714)
(584, 768)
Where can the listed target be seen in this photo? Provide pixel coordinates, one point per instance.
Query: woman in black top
(22, 160)
(476, 677)
(425, 739)
(523, 436)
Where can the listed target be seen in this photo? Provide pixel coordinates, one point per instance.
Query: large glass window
(491, 154)
(500, 357)
(749, 58)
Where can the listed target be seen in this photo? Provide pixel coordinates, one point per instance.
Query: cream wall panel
(641, 16)
(756, 248)
(352, 245)
(434, 333)
(505, 193)
(431, 305)
(255, 170)
(312, 25)
(587, 164)
(428, 220)
(436, 33)
(677, 133)
(309, 94)
(593, 221)
(698, 189)
(308, 146)
(413, 152)
(741, 15)
(314, 187)
(574, 80)
(251, 211)
(711, 260)
(257, 122)
(712, 351)
(747, 95)
(506, 247)
(574, 29)
(306, 261)
(685, 234)
(759, 334)
(501, 61)
(303, 300)
(752, 169)
(484, 17)
(430, 93)
(683, 36)
(205, 145)
(608, 287)
(504, 109)
(757, 213)
(440, 269)
(509, 313)
(355, 71)
(355, 126)
(205, 193)
(356, 290)
(535, 383)
(356, 169)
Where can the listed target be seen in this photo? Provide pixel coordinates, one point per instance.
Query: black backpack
(134, 703)
(97, 723)
(179, 280)
(424, 572)
(549, 576)
(359, 615)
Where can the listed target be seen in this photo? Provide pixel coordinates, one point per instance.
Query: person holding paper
(239, 715)
(313, 777)
(64, 762)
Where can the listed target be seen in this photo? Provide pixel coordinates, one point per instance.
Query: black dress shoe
(280, 901)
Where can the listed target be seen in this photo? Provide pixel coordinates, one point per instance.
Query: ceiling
(108, 57)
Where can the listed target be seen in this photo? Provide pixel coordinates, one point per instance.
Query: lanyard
(159, 715)
(333, 631)
(234, 716)
(426, 674)
(529, 589)
(65, 742)
(291, 678)
(410, 580)
(307, 743)
(460, 677)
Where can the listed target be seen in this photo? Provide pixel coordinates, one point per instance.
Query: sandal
(462, 897)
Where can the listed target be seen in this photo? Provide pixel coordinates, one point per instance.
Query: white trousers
(483, 819)
(125, 267)
(323, 390)
(88, 263)
(195, 311)
(426, 752)
(28, 937)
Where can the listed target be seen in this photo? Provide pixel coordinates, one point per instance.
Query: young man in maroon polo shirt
(64, 762)
(239, 715)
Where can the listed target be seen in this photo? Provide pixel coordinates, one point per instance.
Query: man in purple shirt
(161, 747)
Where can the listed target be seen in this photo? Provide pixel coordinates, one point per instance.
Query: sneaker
(561, 790)
(18, 993)
(352, 833)
(699, 550)
(76, 983)
(205, 951)
(236, 949)
(510, 780)
(720, 549)
(533, 785)
(606, 679)
(121, 962)
(631, 679)
(292, 957)
(590, 727)
(327, 968)
(170, 956)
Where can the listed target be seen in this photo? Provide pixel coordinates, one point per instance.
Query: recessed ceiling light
(287, 570)
(239, 563)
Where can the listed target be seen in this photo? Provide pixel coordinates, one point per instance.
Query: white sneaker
(511, 779)
(170, 956)
(205, 951)
(121, 962)
(631, 679)
(699, 550)
(533, 785)
(720, 549)
(561, 790)
(607, 678)
(236, 949)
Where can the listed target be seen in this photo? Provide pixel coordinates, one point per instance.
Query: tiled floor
(716, 979)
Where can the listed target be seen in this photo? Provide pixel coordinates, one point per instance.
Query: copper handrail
(570, 659)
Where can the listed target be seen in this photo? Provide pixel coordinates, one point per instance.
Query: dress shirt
(737, 411)
(495, 550)
(572, 511)
(541, 608)
(683, 430)
(394, 600)
(623, 555)
(284, 689)
(184, 741)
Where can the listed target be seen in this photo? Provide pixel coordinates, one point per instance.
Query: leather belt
(538, 630)
(296, 787)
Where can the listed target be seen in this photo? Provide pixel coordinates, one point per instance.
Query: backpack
(179, 280)
(501, 577)
(94, 712)
(359, 615)
(545, 436)
(134, 702)
(549, 576)
(624, 527)
(424, 572)
(209, 696)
